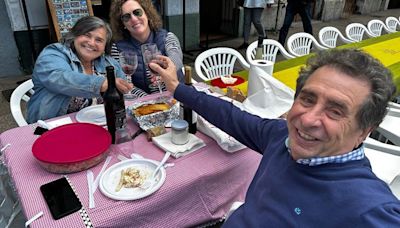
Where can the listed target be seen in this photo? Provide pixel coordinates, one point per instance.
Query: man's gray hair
(357, 64)
(85, 25)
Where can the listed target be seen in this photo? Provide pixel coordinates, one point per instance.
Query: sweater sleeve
(174, 52)
(251, 130)
(386, 215)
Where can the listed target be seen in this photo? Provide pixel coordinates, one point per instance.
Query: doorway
(216, 19)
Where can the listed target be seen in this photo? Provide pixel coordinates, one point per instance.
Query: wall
(332, 9)
(368, 6)
(173, 21)
(9, 64)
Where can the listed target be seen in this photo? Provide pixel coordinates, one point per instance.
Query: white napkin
(267, 96)
(59, 122)
(164, 142)
(228, 80)
(225, 141)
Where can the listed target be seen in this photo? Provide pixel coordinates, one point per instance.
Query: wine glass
(129, 62)
(149, 52)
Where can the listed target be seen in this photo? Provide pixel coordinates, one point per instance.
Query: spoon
(150, 181)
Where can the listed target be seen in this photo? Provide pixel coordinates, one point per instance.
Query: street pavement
(7, 84)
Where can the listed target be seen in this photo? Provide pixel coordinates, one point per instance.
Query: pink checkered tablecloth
(199, 188)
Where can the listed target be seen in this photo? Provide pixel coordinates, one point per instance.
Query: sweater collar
(354, 155)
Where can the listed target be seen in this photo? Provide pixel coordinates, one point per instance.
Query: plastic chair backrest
(328, 36)
(217, 62)
(355, 31)
(375, 27)
(300, 44)
(392, 23)
(270, 50)
(21, 93)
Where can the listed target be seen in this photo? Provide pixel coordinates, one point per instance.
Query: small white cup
(180, 132)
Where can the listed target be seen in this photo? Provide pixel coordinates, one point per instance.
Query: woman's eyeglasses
(137, 13)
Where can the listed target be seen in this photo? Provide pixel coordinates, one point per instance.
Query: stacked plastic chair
(217, 62)
(328, 36)
(300, 44)
(270, 50)
(392, 23)
(356, 31)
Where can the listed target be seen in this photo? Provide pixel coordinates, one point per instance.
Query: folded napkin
(225, 141)
(164, 142)
(267, 96)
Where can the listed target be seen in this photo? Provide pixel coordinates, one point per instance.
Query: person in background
(313, 172)
(252, 14)
(302, 7)
(70, 75)
(136, 22)
(157, 5)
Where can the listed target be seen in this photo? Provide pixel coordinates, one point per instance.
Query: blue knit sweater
(284, 193)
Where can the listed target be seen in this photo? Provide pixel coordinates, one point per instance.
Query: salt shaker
(179, 133)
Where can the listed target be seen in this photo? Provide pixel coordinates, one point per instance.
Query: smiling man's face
(322, 121)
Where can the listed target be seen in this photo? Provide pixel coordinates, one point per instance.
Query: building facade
(195, 22)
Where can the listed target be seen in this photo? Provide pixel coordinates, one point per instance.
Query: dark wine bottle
(259, 50)
(114, 105)
(187, 113)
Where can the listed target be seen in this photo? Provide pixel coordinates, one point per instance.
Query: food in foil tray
(154, 113)
(151, 108)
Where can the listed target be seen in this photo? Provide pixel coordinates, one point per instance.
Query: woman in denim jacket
(70, 75)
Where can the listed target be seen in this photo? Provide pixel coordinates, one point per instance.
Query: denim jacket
(58, 76)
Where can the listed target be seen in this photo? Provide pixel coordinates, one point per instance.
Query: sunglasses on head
(137, 13)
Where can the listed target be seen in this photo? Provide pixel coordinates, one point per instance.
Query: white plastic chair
(375, 27)
(393, 105)
(217, 62)
(22, 92)
(328, 36)
(392, 23)
(385, 162)
(300, 44)
(270, 50)
(355, 31)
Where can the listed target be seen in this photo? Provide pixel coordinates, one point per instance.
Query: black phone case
(60, 198)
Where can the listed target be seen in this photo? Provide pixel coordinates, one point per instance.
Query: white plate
(94, 114)
(110, 179)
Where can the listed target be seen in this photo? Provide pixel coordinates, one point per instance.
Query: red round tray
(71, 143)
(219, 83)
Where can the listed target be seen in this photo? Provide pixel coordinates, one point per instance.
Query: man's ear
(363, 135)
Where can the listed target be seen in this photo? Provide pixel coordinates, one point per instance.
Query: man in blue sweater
(313, 172)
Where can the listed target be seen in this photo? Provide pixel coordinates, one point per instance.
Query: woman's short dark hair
(119, 32)
(357, 64)
(85, 25)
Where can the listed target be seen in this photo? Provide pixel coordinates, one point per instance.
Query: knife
(137, 133)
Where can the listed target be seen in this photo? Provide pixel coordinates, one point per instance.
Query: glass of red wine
(129, 62)
(149, 52)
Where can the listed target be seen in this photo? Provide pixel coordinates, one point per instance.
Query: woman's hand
(122, 85)
(167, 70)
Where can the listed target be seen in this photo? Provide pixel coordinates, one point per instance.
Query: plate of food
(94, 114)
(125, 180)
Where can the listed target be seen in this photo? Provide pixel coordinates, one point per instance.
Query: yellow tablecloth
(386, 48)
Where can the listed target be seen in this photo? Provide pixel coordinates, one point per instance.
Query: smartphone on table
(60, 198)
